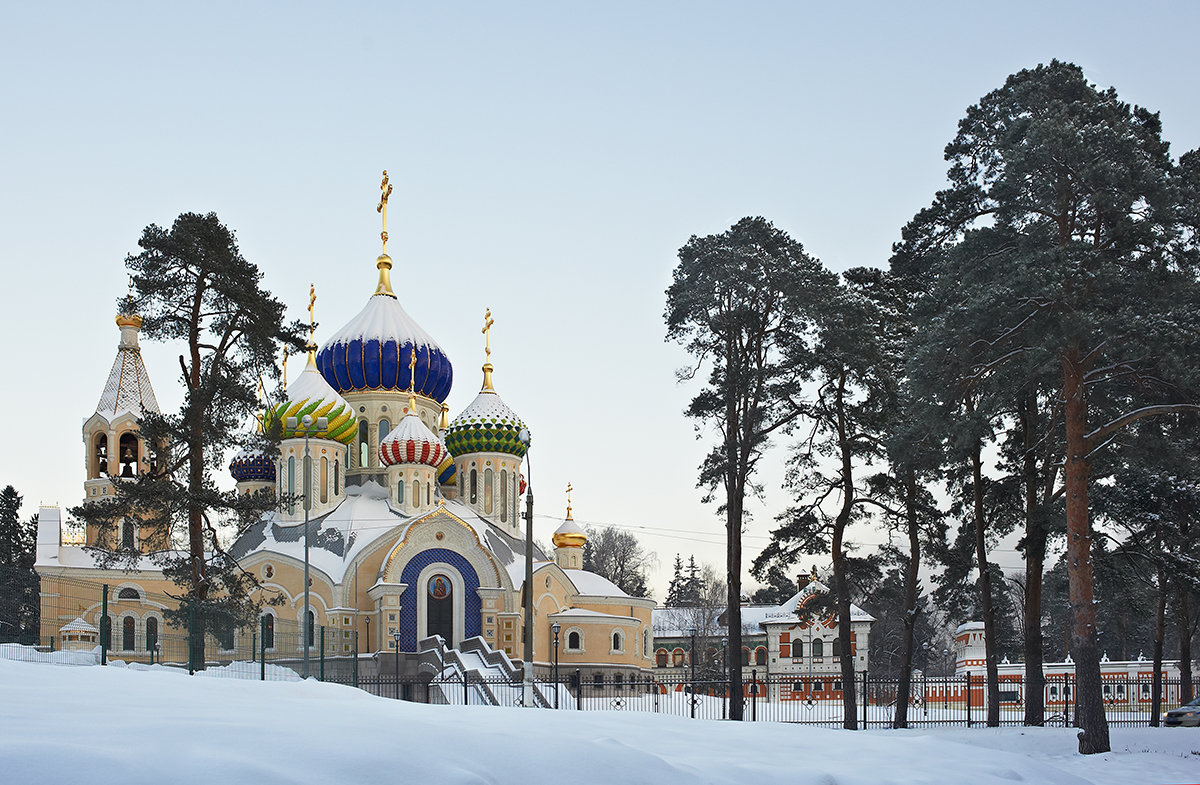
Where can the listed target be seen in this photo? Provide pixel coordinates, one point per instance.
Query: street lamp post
(555, 627)
(527, 679)
(367, 619)
(396, 655)
(322, 424)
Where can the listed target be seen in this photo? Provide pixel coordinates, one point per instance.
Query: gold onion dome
(570, 534)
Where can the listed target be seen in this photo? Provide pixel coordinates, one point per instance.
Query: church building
(415, 527)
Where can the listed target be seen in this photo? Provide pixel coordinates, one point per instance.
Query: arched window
(400, 491)
(836, 647)
(487, 491)
(416, 493)
(598, 681)
(677, 658)
(646, 643)
(818, 686)
(127, 534)
(818, 648)
(474, 495)
(745, 656)
(760, 656)
(503, 495)
(291, 472)
(385, 428)
(312, 627)
(618, 641)
(268, 630)
(336, 469)
(660, 658)
(128, 593)
(364, 446)
(515, 498)
(574, 641)
(428, 491)
(324, 479)
(151, 633)
(797, 650)
(128, 455)
(101, 456)
(127, 633)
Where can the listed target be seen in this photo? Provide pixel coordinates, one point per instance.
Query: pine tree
(742, 303)
(1060, 247)
(675, 588)
(19, 598)
(192, 284)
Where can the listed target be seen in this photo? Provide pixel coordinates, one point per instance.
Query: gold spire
(569, 489)
(488, 321)
(384, 262)
(444, 423)
(285, 371)
(412, 381)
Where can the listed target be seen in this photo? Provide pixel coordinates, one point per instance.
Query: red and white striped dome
(412, 442)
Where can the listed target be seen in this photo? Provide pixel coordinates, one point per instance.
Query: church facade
(414, 526)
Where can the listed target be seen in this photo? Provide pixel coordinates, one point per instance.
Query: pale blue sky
(548, 161)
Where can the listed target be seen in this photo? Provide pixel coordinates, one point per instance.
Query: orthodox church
(413, 529)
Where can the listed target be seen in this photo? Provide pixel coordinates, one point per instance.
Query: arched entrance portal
(439, 608)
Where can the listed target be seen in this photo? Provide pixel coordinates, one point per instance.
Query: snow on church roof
(128, 389)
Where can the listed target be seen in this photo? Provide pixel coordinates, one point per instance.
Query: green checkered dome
(487, 425)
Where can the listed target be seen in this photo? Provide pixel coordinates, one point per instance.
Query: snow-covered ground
(153, 725)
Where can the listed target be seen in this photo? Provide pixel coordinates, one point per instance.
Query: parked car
(1187, 714)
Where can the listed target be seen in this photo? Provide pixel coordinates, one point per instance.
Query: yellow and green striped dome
(310, 394)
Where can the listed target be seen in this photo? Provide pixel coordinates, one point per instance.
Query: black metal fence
(84, 623)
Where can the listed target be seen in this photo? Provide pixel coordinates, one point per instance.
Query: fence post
(578, 689)
(262, 650)
(51, 643)
(321, 671)
(864, 700)
(356, 659)
(466, 691)
(105, 627)
(753, 695)
(1067, 700)
(968, 699)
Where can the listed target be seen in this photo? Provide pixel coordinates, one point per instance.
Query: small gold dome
(129, 320)
(569, 535)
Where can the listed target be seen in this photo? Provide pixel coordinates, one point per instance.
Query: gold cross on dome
(382, 208)
(488, 321)
(569, 489)
(312, 300)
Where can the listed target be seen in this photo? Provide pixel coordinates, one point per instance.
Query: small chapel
(414, 522)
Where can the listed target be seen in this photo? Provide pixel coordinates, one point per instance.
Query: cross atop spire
(384, 262)
(312, 324)
(569, 489)
(386, 188)
(412, 381)
(488, 321)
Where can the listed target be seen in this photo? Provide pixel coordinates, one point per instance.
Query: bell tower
(113, 444)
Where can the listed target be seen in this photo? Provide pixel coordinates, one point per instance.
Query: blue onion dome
(250, 465)
(487, 425)
(372, 352)
(311, 394)
(446, 469)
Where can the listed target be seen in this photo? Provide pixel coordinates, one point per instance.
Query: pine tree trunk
(1090, 717)
(985, 589)
(1183, 621)
(1160, 632)
(840, 580)
(904, 692)
(1035, 557)
(735, 495)
(199, 588)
